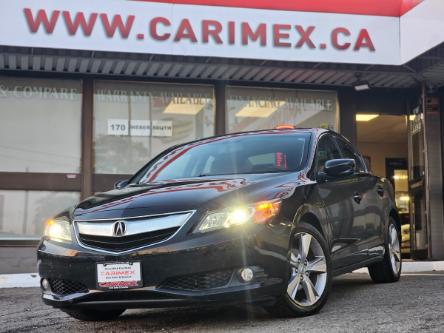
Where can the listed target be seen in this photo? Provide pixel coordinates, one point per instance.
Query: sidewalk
(416, 267)
(32, 280)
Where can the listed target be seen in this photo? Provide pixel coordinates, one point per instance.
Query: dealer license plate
(119, 275)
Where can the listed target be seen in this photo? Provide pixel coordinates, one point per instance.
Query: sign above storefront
(168, 28)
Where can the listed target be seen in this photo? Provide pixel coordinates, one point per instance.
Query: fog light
(246, 274)
(45, 285)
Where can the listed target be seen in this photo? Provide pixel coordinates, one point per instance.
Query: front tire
(389, 269)
(310, 274)
(94, 314)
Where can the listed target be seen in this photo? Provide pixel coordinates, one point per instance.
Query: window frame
(145, 86)
(77, 182)
(277, 89)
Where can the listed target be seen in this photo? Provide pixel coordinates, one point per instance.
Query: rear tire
(309, 276)
(389, 269)
(94, 314)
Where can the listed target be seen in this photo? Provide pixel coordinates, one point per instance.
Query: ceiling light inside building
(366, 117)
(260, 110)
(183, 109)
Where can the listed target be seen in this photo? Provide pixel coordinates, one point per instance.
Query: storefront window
(23, 213)
(133, 122)
(40, 125)
(264, 108)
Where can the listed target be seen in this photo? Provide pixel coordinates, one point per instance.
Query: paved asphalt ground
(415, 304)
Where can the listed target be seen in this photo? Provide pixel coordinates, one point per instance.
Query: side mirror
(339, 167)
(121, 184)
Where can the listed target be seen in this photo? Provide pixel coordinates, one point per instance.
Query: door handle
(357, 197)
(380, 190)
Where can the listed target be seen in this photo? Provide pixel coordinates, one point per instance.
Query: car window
(348, 152)
(326, 150)
(236, 154)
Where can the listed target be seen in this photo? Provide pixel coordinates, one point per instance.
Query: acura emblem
(119, 228)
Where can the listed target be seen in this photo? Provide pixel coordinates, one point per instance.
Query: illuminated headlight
(259, 213)
(58, 230)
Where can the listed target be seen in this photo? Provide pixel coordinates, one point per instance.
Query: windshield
(237, 154)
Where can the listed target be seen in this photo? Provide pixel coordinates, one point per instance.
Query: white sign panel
(160, 128)
(140, 128)
(118, 127)
(160, 28)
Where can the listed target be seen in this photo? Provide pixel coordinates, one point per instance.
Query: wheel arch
(310, 218)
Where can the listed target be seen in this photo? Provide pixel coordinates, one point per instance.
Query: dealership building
(91, 90)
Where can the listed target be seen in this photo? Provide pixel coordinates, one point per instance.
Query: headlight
(58, 229)
(259, 213)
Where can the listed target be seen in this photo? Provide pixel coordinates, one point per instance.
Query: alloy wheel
(394, 249)
(308, 278)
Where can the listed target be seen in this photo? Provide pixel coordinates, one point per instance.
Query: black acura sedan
(265, 217)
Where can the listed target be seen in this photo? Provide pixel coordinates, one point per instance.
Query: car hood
(186, 194)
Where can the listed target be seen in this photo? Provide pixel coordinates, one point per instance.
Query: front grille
(65, 287)
(200, 281)
(126, 242)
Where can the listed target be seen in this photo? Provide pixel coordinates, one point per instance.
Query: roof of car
(315, 130)
(285, 130)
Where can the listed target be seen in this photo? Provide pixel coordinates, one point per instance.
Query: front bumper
(264, 250)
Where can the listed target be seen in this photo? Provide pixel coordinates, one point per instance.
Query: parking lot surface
(414, 304)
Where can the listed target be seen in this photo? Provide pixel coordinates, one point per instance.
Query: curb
(28, 280)
(32, 280)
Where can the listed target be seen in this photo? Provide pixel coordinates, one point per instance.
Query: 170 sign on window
(159, 128)
(118, 127)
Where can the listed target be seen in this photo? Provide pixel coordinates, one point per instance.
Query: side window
(326, 150)
(349, 152)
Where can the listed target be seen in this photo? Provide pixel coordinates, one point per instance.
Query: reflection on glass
(264, 108)
(134, 122)
(401, 185)
(40, 125)
(23, 213)
(417, 141)
(246, 154)
(416, 174)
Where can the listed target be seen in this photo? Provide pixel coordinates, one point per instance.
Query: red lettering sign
(153, 28)
(162, 29)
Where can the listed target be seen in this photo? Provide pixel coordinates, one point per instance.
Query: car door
(336, 197)
(367, 205)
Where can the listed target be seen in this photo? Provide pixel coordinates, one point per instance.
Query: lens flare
(239, 216)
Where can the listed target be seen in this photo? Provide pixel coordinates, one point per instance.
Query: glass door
(417, 183)
(397, 173)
